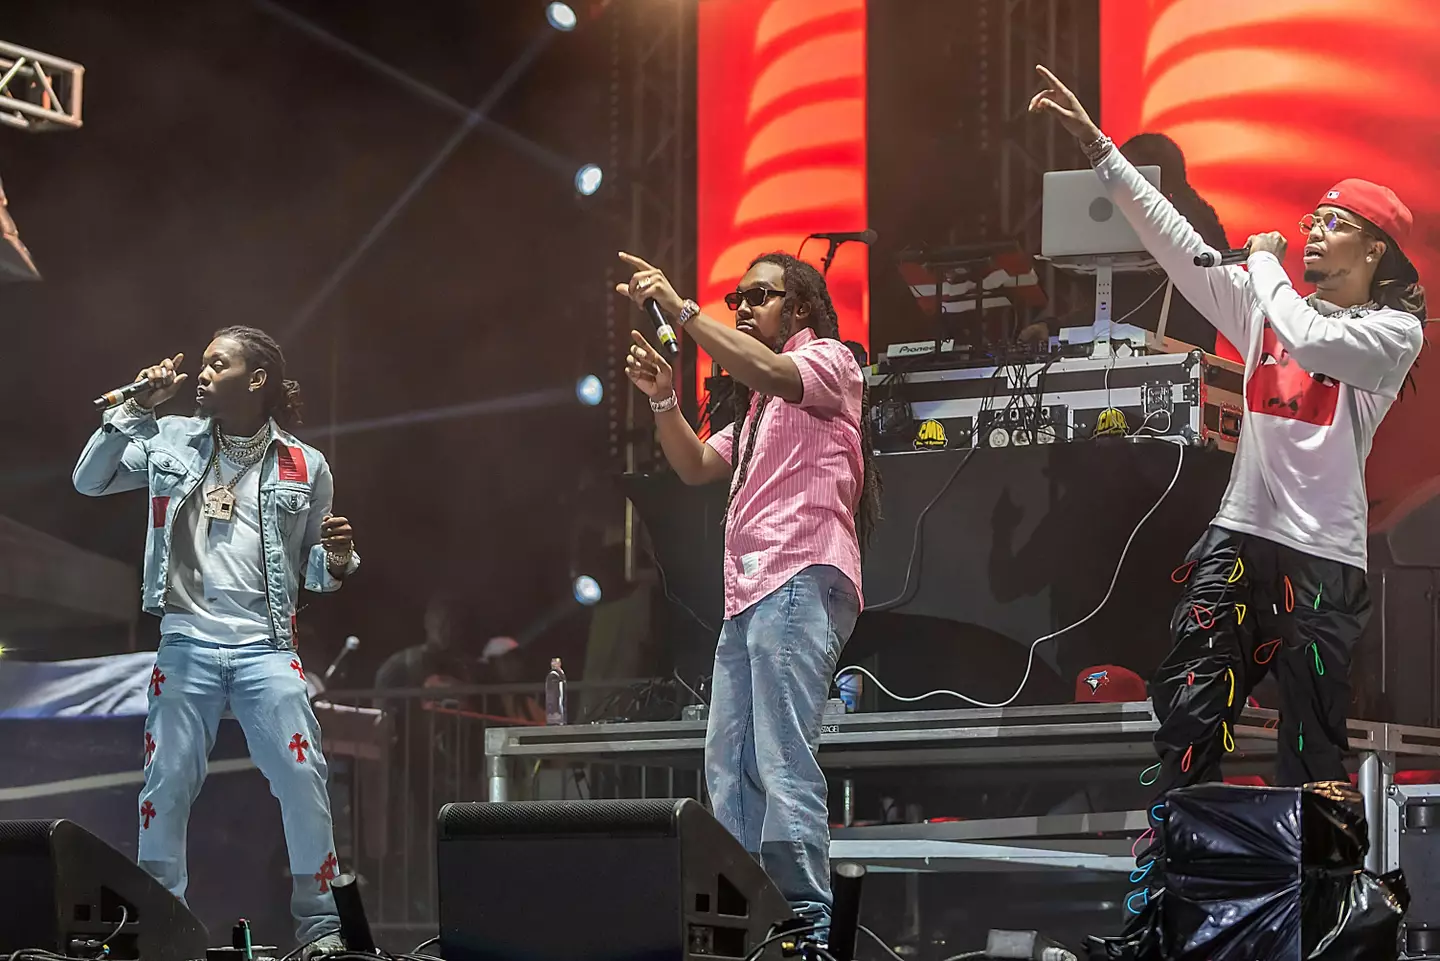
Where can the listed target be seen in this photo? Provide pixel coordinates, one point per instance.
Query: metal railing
(397, 756)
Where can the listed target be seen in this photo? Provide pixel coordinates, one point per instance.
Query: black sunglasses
(754, 296)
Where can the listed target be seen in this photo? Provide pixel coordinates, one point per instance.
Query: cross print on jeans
(149, 748)
(156, 679)
(295, 666)
(299, 745)
(147, 811)
(328, 872)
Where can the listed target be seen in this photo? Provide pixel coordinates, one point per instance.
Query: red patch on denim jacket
(292, 465)
(159, 507)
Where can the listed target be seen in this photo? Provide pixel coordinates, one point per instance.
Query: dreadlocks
(282, 397)
(804, 284)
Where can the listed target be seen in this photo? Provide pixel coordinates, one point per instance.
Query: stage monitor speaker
(658, 880)
(60, 884)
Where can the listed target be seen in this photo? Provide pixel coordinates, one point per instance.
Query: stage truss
(652, 141)
(39, 92)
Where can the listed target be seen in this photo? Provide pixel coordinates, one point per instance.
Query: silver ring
(643, 284)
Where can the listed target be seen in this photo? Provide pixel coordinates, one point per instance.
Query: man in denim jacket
(239, 518)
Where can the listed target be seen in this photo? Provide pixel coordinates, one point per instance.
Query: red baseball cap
(1109, 683)
(1380, 206)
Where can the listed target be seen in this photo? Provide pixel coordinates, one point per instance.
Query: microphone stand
(829, 257)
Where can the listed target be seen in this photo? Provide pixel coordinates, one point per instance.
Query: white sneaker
(328, 944)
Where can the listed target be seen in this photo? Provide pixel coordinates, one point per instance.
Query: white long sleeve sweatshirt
(1318, 381)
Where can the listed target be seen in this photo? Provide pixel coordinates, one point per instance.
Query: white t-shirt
(1318, 381)
(217, 578)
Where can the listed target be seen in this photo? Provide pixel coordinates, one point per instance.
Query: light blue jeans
(264, 687)
(773, 668)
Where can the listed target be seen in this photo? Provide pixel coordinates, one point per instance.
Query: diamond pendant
(219, 505)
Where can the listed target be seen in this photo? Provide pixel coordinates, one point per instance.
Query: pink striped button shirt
(797, 507)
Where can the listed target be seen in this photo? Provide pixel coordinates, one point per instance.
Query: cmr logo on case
(930, 436)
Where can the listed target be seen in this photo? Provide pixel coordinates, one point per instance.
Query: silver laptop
(1078, 218)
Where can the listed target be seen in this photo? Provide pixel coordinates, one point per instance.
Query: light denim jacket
(169, 456)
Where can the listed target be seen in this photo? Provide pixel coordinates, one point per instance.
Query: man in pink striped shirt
(804, 498)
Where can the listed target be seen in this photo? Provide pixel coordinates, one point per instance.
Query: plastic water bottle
(555, 706)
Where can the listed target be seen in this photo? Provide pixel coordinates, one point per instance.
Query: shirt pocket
(292, 510)
(168, 474)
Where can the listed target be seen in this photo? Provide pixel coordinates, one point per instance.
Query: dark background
(227, 165)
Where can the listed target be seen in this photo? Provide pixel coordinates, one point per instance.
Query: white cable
(1030, 660)
(1158, 430)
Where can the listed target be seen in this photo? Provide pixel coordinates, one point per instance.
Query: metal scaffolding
(39, 92)
(652, 141)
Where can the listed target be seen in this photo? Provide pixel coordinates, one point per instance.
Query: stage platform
(1045, 741)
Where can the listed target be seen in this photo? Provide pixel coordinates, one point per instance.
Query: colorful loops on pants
(1143, 894)
(1230, 701)
(1289, 595)
(1157, 807)
(1237, 572)
(1300, 740)
(1190, 679)
(1319, 664)
(1318, 591)
(1204, 617)
(1181, 574)
(1185, 761)
(1240, 610)
(1228, 740)
(1147, 772)
(1138, 875)
(1147, 834)
(1265, 653)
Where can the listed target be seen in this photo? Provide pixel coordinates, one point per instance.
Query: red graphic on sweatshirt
(1280, 387)
(147, 811)
(159, 506)
(149, 748)
(295, 666)
(156, 679)
(328, 872)
(299, 745)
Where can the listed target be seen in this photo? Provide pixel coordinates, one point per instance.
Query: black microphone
(847, 883)
(845, 237)
(121, 394)
(1236, 255)
(354, 926)
(351, 643)
(663, 330)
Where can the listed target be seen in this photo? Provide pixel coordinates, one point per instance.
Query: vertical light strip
(781, 145)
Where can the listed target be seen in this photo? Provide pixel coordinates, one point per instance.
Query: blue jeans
(264, 687)
(773, 668)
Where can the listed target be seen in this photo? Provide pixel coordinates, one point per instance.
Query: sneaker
(328, 944)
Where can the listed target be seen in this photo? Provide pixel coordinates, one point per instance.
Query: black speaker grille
(26, 837)
(475, 818)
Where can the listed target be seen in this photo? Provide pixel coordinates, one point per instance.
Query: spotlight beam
(553, 397)
(471, 118)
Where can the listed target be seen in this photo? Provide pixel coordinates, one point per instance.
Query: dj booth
(1020, 542)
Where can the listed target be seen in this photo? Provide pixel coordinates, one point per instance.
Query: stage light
(590, 391)
(587, 179)
(587, 591)
(561, 16)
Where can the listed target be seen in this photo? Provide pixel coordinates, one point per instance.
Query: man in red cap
(1278, 580)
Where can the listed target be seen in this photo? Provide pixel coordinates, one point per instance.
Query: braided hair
(281, 396)
(805, 284)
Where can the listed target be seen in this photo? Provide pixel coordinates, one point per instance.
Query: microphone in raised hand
(151, 387)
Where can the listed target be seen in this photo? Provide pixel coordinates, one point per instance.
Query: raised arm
(694, 461)
(1222, 295)
(118, 454)
(1372, 353)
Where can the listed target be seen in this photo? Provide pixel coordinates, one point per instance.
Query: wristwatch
(688, 310)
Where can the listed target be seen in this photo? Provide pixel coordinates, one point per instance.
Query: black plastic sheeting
(1265, 874)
